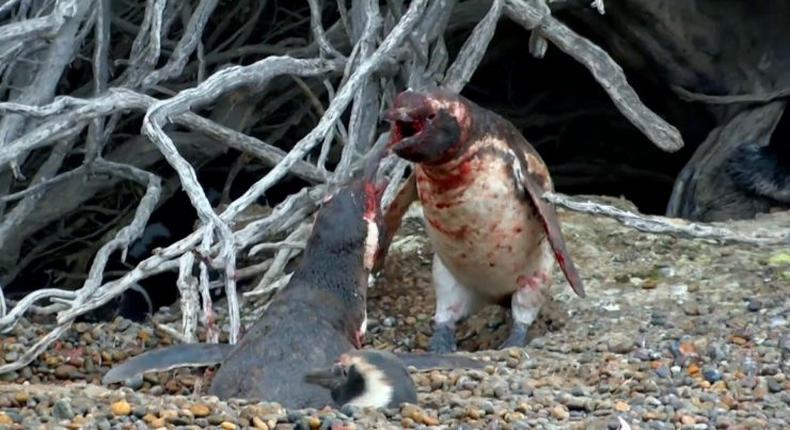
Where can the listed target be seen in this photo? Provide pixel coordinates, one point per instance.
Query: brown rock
(5, 420)
(121, 408)
(621, 406)
(687, 420)
(259, 424)
(227, 425)
(158, 422)
(200, 410)
(65, 371)
(560, 412)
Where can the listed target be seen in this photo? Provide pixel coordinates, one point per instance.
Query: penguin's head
(366, 378)
(350, 219)
(429, 126)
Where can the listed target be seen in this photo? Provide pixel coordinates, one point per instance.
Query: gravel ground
(674, 334)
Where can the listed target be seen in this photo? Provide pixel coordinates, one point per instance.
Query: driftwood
(184, 82)
(676, 227)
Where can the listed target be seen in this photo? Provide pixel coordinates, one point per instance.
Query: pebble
(62, 410)
(560, 412)
(200, 410)
(711, 375)
(65, 371)
(621, 406)
(121, 408)
(620, 344)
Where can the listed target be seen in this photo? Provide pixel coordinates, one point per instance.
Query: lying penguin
(310, 324)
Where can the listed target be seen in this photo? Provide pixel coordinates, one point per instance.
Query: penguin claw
(517, 338)
(443, 339)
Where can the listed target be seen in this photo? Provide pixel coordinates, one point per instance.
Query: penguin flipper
(393, 217)
(532, 176)
(167, 358)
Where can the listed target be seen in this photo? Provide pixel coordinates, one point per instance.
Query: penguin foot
(518, 336)
(443, 339)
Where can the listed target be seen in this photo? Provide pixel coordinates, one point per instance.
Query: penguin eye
(431, 116)
(339, 370)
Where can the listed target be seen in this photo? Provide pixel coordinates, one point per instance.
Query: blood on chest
(483, 232)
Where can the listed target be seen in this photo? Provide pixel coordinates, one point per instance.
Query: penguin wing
(167, 358)
(393, 217)
(531, 174)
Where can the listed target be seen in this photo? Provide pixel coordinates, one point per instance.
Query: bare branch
(675, 227)
(185, 46)
(473, 50)
(603, 68)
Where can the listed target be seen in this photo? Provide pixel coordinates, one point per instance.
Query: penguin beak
(397, 115)
(330, 378)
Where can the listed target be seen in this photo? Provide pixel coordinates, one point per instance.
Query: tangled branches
(100, 93)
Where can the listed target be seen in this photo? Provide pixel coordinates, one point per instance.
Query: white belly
(483, 234)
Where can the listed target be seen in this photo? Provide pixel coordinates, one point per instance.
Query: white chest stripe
(378, 392)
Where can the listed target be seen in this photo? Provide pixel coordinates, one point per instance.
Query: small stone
(389, 322)
(437, 380)
(21, 398)
(11, 356)
(475, 413)
(259, 424)
(158, 422)
(687, 420)
(662, 372)
(65, 371)
(411, 320)
(417, 414)
(711, 375)
(200, 410)
(77, 423)
(559, 412)
(774, 385)
(314, 422)
(749, 382)
(621, 406)
(754, 305)
(5, 420)
(62, 410)
(693, 369)
(121, 408)
(227, 425)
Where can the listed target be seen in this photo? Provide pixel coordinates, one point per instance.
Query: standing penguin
(480, 183)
